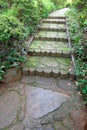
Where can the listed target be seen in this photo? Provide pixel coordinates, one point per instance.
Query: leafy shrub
(10, 58)
(10, 29)
(18, 20)
(45, 7)
(77, 24)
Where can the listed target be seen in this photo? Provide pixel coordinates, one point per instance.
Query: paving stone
(45, 81)
(39, 81)
(67, 84)
(31, 123)
(69, 124)
(47, 128)
(28, 79)
(8, 108)
(43, 128)
(60, 126)
(59, 115)
(39, 105)
(12, 75)
(18, 126)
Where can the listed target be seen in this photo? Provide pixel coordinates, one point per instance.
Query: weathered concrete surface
(8, 108)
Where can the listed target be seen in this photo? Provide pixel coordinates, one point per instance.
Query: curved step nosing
(50, 73)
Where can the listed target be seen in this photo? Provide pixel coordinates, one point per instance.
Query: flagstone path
(46, 98)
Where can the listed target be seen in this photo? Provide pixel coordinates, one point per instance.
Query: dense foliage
(18, 20)
(78, 28)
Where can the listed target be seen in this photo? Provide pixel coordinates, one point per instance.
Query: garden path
(46, 98)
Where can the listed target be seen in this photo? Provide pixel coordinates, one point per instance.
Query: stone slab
(18, 126)
(67, 84)
(41, 102)
(39, 81)
(46, 128)
(8, 108)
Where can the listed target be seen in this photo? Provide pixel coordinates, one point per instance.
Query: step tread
(53, 26)
(56, 17)
(51, 34)
(48, 19)
(38, 46)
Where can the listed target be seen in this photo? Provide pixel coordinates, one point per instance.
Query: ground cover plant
(78, 32)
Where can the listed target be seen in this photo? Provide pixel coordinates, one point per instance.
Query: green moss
(48, 45)
(49, 62)
(64, 61)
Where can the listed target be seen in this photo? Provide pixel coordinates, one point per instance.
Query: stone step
(49, 48)
(49, 67)
(55, 21)
(53, 27)
(51, 36)
(49, 53)
(56, 17)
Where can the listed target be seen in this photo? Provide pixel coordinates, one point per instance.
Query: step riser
(50, 74)
(51, 39)
(53, 29)
(51, 54)
(55, 22)
(57, 17)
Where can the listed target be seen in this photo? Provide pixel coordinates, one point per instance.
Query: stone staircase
(50, 52)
